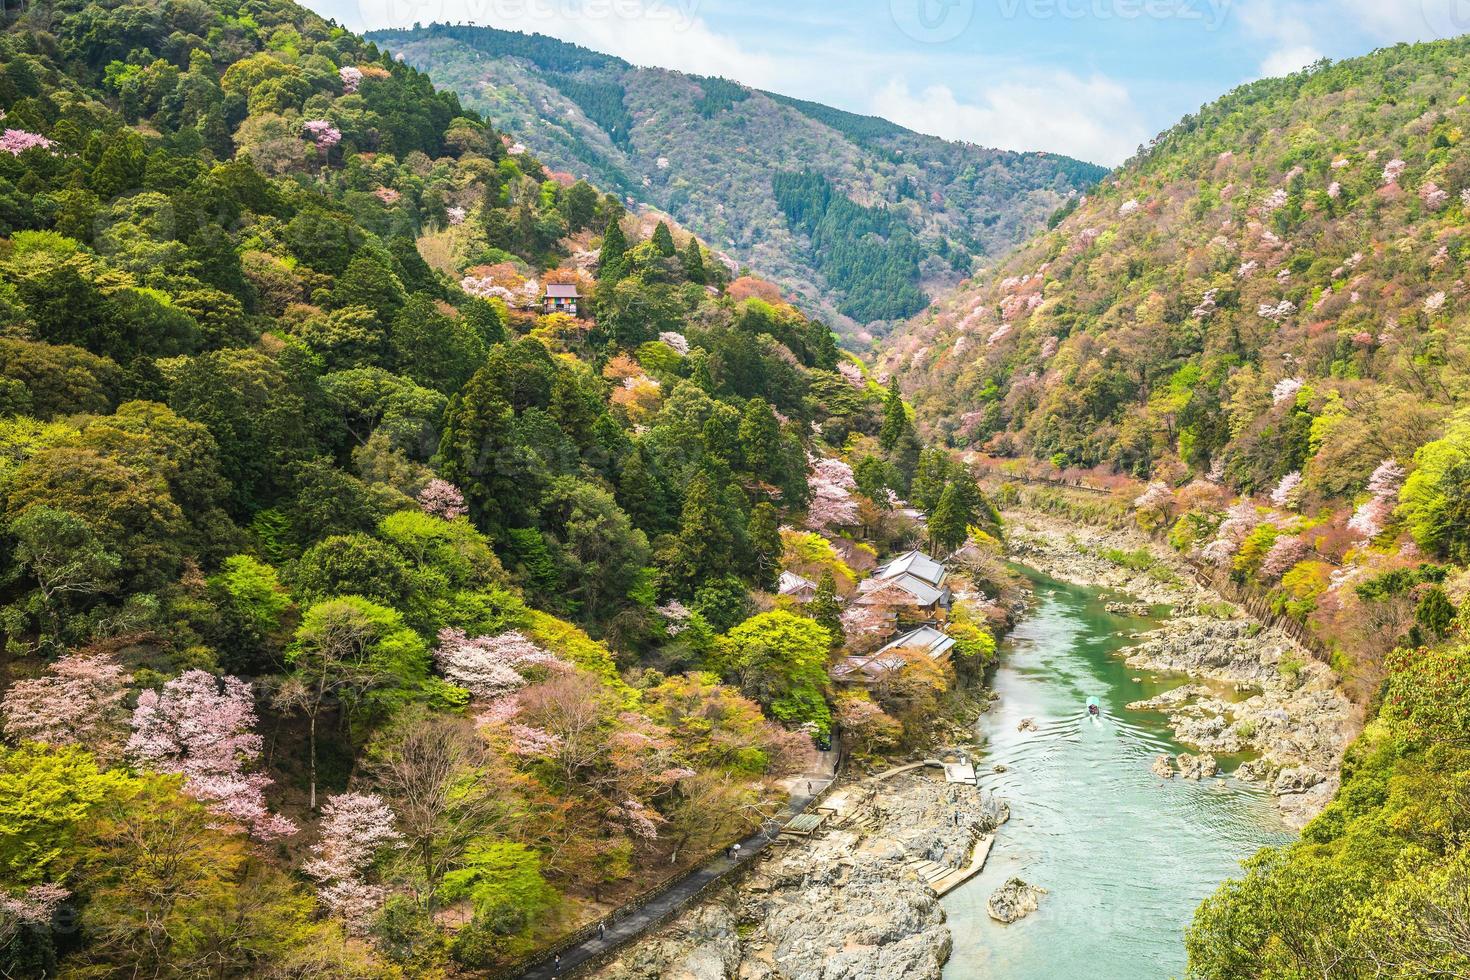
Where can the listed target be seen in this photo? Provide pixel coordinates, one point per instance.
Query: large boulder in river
(1162, 767)
(1200, 766)
(1014, 900)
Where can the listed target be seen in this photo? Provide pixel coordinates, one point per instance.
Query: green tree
(760, 440)
(706, 543)
(826, 610)
(503, 882)
(764, 536)
(251, 604)
(950, 523)
(780, 660)
(663, 240)
(1435, 500)
(896, 425)
(354, 656)
(435, 350)
(611, 264)
(600, 554)
(693, 262)
(67, 563)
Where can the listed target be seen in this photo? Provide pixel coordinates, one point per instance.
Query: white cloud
(1284, 61)
(663, 33)
(1093, 118)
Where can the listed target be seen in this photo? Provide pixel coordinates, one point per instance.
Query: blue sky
(1092, 78)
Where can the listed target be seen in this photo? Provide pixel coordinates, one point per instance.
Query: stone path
(623, 928)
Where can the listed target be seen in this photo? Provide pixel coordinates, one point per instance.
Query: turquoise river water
(1125, 856)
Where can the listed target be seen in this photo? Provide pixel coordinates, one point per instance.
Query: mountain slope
(904, 214)
(370, 608)
(1265, 314)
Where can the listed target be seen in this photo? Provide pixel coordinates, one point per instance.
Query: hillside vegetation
(1265, 316)
(361, 616)
(856, 216)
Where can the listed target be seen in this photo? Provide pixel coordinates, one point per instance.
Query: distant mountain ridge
(858, 217)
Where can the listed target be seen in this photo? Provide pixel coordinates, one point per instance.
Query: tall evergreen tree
(896, 425)
(760, 440)
(694, 263)
(826, 610)
(764, 535)
(611, 262)
(663, 240)
(949, 525)
(706, 544)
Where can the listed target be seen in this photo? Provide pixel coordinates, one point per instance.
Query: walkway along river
(1125, 856)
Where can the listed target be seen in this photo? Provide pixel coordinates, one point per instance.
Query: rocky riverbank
(845, 903)
(1252, 690)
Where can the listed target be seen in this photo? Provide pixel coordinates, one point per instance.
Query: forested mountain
(858, 217)
(371, 608)
(1265, 314)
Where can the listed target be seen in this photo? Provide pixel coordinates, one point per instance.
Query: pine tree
(930, 478)
(706, 544)
(949, 525)
(611, 263)
(826, 610)
(764, 534)
(642, 494)
(663, 240)
(694, 263)
(760, 440)
(896, 424)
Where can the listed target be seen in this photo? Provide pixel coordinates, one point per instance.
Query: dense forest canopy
(365, 611)
(1264, 316)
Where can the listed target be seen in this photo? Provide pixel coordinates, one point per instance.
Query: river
(1125, 856)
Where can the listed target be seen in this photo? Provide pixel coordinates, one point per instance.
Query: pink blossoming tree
(355, 829)
(441, 498)
(200, 727)
(78, 702)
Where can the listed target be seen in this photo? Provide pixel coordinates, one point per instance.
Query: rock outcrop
(1014, 900)
(1201, 766)
(843, 905)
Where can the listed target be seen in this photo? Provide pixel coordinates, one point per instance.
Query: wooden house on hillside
(871, 668)
(798, 587)
(913, 585)
(561, 297)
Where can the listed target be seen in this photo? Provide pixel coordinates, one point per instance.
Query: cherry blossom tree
(200, 727)
(351, 78)
(78, 702)
(488, 666)
(355, 829)
(1286, 552)
(33, 908)
(442, 499)
(1386, 480)
(832, 504)
(1285, 390)
(17, 141)
(455, 214)
(1373, 515)
(1239, 521)
(676, 341)
(1288, 492)
(322, 133)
